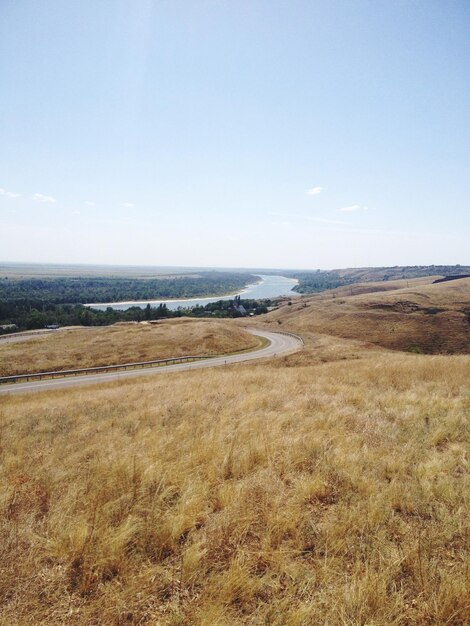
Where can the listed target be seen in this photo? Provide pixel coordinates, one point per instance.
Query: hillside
(405, 272)
(326, 487)
(321, 280)
(122, 343)
(411, 315)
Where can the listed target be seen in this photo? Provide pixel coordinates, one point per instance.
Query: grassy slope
(328, 487)
(392, 315)
(89, 347)
(360, 274)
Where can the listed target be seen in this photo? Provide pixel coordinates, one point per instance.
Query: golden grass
(421, 317)
(285, 492)
(331, 486)
(373, 287)
(122, 343)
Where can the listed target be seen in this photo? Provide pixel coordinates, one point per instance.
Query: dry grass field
(411, 315)
(121, 343)
(329, 487)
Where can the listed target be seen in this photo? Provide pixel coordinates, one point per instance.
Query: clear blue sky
(306, 134)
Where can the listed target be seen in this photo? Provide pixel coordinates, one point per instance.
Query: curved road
(279, 344)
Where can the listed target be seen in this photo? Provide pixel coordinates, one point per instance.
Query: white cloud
(127, 205)
(8, 194)
(76, 212)
(39, 197)
(90, 203)
(314, 191)
(350, 209)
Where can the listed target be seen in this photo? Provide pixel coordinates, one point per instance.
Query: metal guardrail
(123, 366)
(286, 332)
(102, 369)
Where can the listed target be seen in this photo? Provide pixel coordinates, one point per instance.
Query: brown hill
(412, 315)
(306, 489)
(78, 347)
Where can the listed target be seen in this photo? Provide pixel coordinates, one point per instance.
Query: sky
(243, 133)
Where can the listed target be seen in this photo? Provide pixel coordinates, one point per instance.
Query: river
(268, 287)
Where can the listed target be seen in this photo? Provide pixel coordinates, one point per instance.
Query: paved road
(26, 336)
(279, 344)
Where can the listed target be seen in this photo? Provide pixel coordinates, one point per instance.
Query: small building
(240, 308)
(8, 328)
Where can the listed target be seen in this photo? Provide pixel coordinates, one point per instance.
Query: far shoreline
(172, 301)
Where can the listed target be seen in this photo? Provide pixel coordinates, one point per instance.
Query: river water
(267, 287)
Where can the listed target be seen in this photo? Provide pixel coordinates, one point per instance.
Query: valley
(325, 486)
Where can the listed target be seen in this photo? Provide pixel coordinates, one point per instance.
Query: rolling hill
(411, 315)
(330, 486)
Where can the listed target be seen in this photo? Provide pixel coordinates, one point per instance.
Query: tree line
(321, 280)
(30, 314)
(83, 290)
